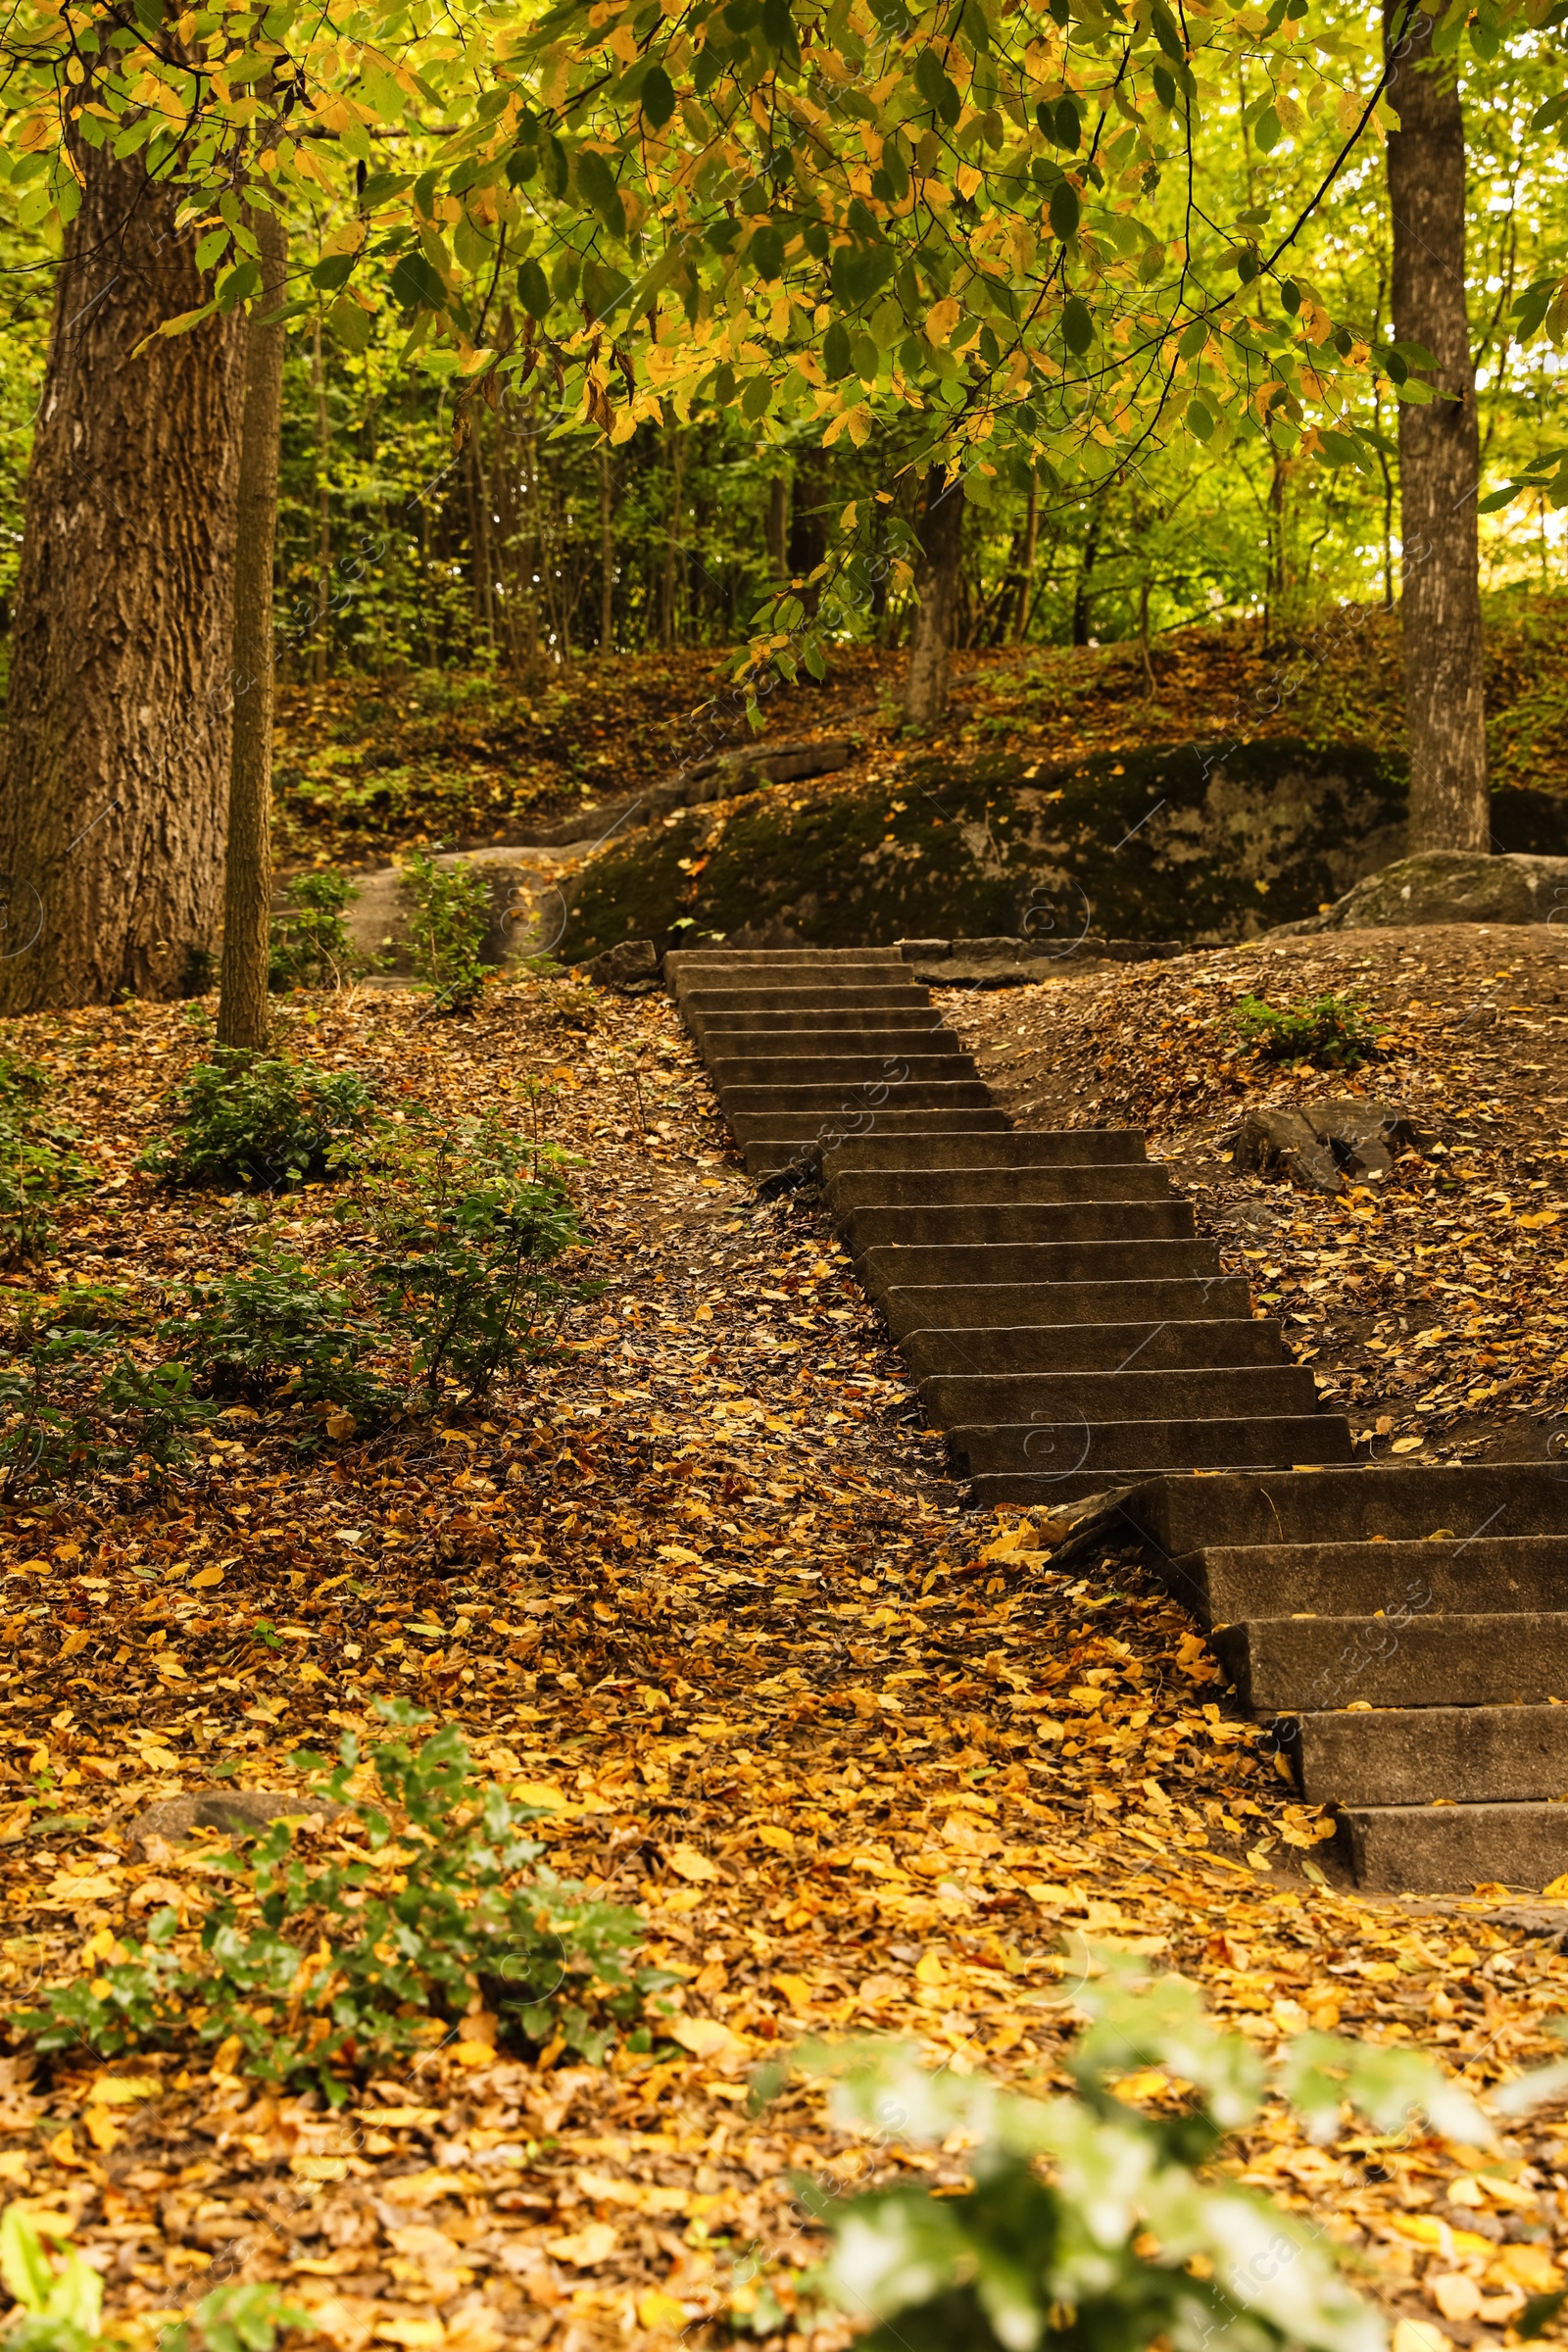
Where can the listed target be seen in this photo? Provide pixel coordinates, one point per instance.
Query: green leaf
(596, 182)
(657, 97)
(350, 325)
(417, 283)
(836, 358)
(1539, 2312)
(381, 188)
(603, 287)
(1077, 326)
(238, 284)
(1194, 338)
(865, 357)
(1266, 131)
(1495, 499)
(533, 289)
(334, 271)
(756, 398)
(1065, 210)
(766, 252)
(1069, 129)
(210, 248)
(1199, 419)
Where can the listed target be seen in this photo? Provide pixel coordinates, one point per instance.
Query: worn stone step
(1285, 1666)
(755, 1110)
(686, 959)
(1480, 1499)
(893, 1021)
(1090, 1346)
(1113, 1454)
(1471, 1577)
(961, 1307)
(1076, 1146)
(1450, 1849)
(803, 1044)
(892, 996)
(1009, 1418)
(896, 1068)
(986, 1263)
(1021, 1186)
(994, 1225)
(1007, 1402)
(806, 1141)
(1410, 1756)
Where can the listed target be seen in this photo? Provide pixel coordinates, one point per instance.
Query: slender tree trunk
(116, 761)
(677, 460)
(607, 551)
(1440, 454)
(248, 869)
(926, 689)
(777, 526)
(323, 512)
(1031, 549)
(807, 545)
(1083, 593)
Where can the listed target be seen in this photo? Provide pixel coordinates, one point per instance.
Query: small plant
(39, 1162)
(244, 1120)
(1091, 2225)
(451, 916)
(1333, 1033)
(276, 1332)
(309, 946)
(307, 1975)
(60, 2298)
(462, 1248)
(75, 1401)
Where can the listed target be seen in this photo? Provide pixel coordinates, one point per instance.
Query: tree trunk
(1439, 453)
(1031, 550)
(776, 528)
(242, 1017)
(606, 552)
(1083, 594)
(926, 689)
(668, 612)
(807, 546)
(117, 752)
(323, 512)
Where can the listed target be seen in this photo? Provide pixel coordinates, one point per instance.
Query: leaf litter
(693, 1587)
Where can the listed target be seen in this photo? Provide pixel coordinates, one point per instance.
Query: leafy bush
(1122, 2240)
(360, 1963)
(277, 1333)
(75, 1401)
(309, 946)
(451, 915)
(244, 1120)
(38, 1162)
(463, 1246)
(59, 2300)
(1333, 1033)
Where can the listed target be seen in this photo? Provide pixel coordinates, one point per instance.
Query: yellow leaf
(690, 1864)
(205, 1578)
(340, 1425)
(473, 2053)
(319, 2168)
(33, 1568)
(779, 1840)
(705, 2038)
(414, 2336)
(657, 2310)
(543, 1794)
(929, 1969)
(1529, 2267)
(102, 2129)
(224, 2056)
(968, 179)
(797, 1990)
(1420, 2335)
(585, 2247)
(1558, 1888)
(127, 2090)
(1406, 1445)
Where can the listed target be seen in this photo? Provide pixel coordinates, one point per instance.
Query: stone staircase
(1074, 1339)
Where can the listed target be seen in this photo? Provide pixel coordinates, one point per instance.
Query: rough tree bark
(115, 763)
(242, 1007)
(925, 688)
(1440, 452)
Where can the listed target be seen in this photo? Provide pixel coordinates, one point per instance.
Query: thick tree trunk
(1440, 454)
(242, 1015)
(926, 689)
(115, 764)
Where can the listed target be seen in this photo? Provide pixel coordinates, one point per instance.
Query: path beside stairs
(1076, 1341)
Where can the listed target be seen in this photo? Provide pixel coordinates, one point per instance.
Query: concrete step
(805, 1140)
(1450, 1849)
(1006, 1403)
(1486, 1574)
(755, 1110)
(1074, 1147)
(962, 1307)
(890, 996)
(1091, 1347)
(1288, 1666)
(803, 1043)
(1113, 1454)
(987, 1263)
(1473, 1755)
(896, 1068)
(893, 1021)
(1054, 1408)
(1011, 1188)
(965, 1226)
(1481, 1498)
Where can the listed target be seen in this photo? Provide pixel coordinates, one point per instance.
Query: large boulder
(1448, 886)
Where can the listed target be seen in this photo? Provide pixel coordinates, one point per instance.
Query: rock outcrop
(1448, 886)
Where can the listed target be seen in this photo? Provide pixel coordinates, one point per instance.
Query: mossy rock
(1173, 842)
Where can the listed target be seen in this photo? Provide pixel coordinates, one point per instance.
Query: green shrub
(335, 1971)
(39, 1162)
(1333, 1033)
(309, 946)
(244, 1120)
(60, 2299)
(451, 915)
(76, 1401)
(1091, 2225)
(277, 1333)
(461, 1243)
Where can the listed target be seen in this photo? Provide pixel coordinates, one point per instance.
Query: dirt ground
(859, 1757)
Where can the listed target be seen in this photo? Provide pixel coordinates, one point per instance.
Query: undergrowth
(1331, 1032)
(451, 917)
(309, 945)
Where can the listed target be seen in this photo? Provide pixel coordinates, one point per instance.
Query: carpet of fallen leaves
(1432, 1306)
(859, 1757)
(367, 766)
